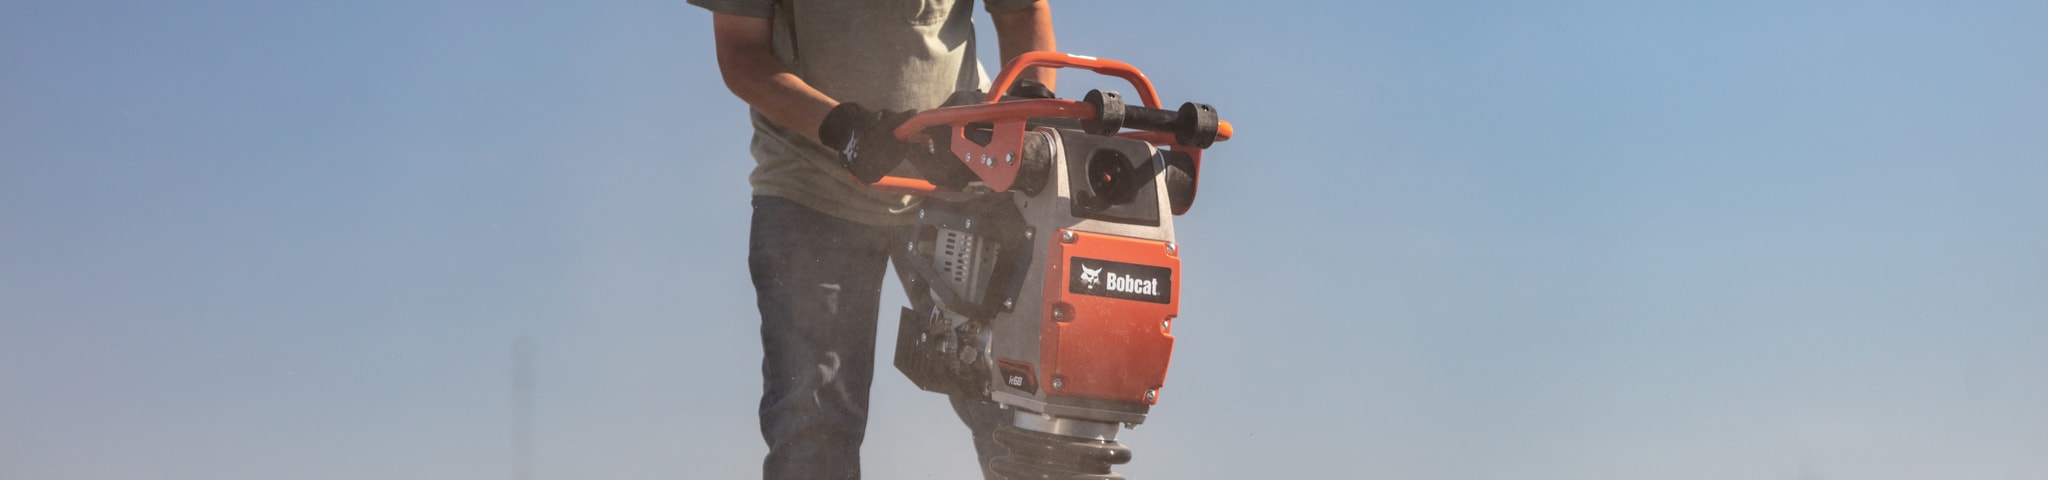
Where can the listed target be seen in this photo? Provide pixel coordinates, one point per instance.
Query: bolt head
(1172, 248)
(1059, 383)
(1009, 303)
(1009, 159)
(1028, 234)
(1165, 324)
(1151, 394)
(1068, 236)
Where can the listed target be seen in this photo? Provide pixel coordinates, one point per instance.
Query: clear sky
(1454, 240)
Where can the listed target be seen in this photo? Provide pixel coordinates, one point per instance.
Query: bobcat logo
(1119, 280)
(1091, 277)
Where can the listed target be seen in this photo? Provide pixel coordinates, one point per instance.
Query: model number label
(1128, 281)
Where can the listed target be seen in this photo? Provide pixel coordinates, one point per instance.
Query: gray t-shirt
(884, 54)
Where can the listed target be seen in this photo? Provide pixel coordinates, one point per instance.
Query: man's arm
(1023, 30)
(747, 62)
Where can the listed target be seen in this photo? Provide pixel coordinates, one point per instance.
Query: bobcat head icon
(1091, 277)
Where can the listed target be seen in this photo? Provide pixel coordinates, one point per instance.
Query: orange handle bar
(1061, 60)
(1009, 117)
(989, 112)
(1024, 109)
(904, 186)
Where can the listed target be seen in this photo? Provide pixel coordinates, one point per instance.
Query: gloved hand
(866, 140)
(1029, 89)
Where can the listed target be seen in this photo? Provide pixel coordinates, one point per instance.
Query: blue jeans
(818, 282)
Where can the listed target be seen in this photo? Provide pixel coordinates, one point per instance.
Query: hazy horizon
(1452, 240)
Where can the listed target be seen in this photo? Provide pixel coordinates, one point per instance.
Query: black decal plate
(1017, 375)
(1128, 281)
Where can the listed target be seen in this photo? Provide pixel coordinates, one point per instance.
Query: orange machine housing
(1101, 347)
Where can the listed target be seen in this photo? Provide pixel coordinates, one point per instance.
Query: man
(827, 81)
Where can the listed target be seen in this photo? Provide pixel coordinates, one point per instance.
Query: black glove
(866, 140)
(1029, 89)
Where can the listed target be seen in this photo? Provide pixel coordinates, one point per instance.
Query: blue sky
(1453, 240)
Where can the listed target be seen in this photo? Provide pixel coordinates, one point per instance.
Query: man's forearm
(1025, 30)
(750, 70)
(781, 96)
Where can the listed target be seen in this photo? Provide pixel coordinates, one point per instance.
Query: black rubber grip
(1150, 119)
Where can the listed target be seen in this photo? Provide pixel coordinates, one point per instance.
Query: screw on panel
(1059, 383)
(1165, 324)
(1062, 312)
(1009, 303)
(1027, 234)
(987, 161)
(1009, 159)
(1151, 394)
(1068, 236)
(1172, 249)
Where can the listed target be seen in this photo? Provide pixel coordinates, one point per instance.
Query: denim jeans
(818, 283)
